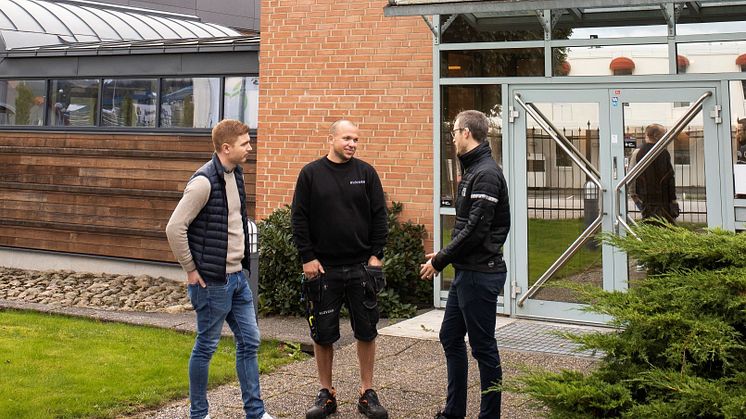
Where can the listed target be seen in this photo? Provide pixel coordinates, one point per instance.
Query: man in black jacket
(340, 229)
(654, 191)
(476, 252)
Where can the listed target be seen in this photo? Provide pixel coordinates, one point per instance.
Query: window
(74, 103)
(129, 103)
(241, 100)
(22, 102)
(190, 102)
(738, 137)
(485, 98)
(713, 57)
(493, 63)
(610, 60)
(173, 104)
(521, 28)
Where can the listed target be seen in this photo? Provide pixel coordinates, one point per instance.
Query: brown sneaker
(369, 405)
(325, 405)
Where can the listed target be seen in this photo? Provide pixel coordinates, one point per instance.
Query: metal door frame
(610, 124)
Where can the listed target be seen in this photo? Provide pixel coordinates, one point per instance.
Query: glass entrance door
(572, 150)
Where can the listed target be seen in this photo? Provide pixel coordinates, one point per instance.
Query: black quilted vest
(208, 233)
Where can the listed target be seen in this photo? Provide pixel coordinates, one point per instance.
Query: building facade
(570, 87)
(321, 61)
(105, 112)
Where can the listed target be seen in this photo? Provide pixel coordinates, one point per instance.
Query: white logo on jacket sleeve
(483, 196)
(357, 182)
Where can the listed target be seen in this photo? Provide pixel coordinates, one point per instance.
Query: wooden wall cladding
(98, 194)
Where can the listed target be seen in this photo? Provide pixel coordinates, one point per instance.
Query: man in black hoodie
(340, 228)
(476, 252)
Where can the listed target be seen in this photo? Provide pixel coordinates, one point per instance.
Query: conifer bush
(680, 347)
(280, 267)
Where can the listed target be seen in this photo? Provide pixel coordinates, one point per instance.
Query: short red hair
(227, 131)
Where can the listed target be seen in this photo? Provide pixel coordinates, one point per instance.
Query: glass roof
(25, 23)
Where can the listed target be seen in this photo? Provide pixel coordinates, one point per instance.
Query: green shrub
(280, 267)
(680, 347)
(403, 254)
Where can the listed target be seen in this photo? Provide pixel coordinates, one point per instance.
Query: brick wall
(322, 60)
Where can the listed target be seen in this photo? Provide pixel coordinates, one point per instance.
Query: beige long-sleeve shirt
(196, 194)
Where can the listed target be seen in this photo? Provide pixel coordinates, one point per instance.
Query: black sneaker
(369, 405)
(441, 415)
(325, 405)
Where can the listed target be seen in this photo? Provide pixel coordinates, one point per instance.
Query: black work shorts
(350, 285)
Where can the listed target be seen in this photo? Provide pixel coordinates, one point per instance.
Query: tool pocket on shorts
(370, 293)
(376, 277)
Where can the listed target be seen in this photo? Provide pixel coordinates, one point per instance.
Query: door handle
(614, 169)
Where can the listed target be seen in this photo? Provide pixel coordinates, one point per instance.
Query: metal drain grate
(537, 337)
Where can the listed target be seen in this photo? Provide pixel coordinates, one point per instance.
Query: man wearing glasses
(482, 225)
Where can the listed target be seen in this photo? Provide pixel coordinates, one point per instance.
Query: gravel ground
(410, 374)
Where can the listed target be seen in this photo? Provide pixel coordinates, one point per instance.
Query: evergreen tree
(680, 347)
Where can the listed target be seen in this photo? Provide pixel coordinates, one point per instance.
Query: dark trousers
(471, 308)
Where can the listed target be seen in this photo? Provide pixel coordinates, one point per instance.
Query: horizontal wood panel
(109, 141)
(103, 204)
(98, 194)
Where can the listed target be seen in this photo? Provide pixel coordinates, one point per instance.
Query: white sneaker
(266, 416)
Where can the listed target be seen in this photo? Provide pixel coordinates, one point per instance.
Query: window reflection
(22, 102)
(241, 99)
(709, 28)
(714, 57)
(738, 136)
(447, 222)
(610, 60)
(129, 103)
(610, 32)
(521, 28)
(74, 103)
(686, 153)
(493, 63)
(190, 102)
(454, 99)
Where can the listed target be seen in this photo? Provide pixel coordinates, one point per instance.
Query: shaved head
(335, 126)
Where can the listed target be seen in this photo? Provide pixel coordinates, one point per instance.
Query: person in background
(654, 190)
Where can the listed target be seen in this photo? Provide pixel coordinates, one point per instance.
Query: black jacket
(657, 184)
(208, 233)
(482, 216)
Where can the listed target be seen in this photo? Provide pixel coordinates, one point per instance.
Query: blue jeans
(231, 302)
(471, 308)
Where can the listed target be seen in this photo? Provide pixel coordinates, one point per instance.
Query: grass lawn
(548, 239)
(59, 367)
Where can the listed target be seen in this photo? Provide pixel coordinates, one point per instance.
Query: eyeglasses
(455, 130)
